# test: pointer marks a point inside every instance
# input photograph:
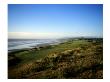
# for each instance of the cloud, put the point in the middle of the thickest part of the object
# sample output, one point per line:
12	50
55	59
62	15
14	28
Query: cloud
46	35
30	35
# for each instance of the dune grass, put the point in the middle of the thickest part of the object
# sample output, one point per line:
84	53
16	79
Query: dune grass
72	59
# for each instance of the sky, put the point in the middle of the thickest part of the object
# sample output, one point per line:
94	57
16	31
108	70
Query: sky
33	21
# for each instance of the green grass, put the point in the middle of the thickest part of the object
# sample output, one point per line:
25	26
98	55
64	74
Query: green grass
28	56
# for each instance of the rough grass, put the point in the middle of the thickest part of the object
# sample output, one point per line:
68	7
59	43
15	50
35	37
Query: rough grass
72	59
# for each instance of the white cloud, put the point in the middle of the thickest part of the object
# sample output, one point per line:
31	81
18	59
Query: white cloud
45	35
29	35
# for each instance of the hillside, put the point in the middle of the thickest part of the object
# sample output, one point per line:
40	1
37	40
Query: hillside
74	59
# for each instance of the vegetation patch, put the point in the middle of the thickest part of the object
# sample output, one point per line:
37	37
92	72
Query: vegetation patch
75	59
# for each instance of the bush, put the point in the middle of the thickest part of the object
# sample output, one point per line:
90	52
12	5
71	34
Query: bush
13	60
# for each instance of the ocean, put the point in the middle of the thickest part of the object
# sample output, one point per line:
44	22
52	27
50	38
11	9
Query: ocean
16	44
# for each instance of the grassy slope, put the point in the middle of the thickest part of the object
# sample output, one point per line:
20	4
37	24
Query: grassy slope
28	56
72	59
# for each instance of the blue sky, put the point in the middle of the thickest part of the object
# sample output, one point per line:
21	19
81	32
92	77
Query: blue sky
55	20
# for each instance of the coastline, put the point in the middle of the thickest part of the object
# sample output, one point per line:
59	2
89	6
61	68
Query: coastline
84	56
25	46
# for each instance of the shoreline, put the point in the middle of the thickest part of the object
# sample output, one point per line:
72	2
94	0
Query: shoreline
34	47
34	44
